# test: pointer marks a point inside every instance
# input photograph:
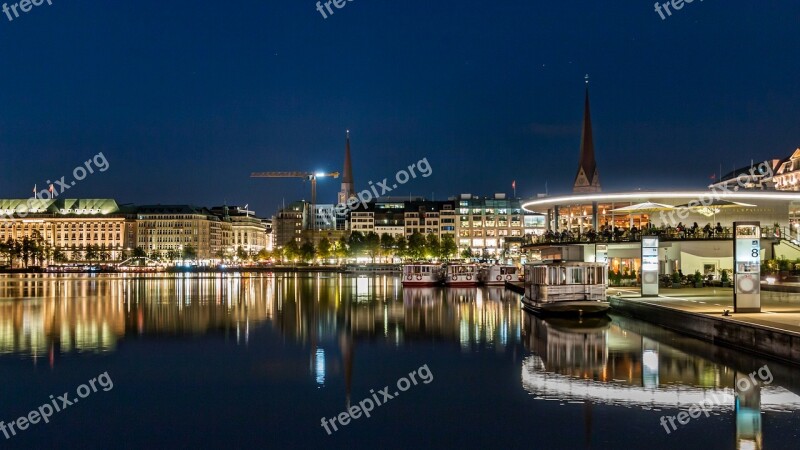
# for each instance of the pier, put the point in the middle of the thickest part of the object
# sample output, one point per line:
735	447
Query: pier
699	313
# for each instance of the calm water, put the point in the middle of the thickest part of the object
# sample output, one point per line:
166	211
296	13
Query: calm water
256	361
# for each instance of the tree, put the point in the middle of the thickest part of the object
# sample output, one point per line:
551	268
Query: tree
6	249
91	252
355	244
448	247
416	246
372	245
401	245
189	252
291	250
307	251
74	253
139	252
59	256
341	251
387	244
263	255
432	246
27	250
324	248
220	255
467	253
103	252
241	253
38	246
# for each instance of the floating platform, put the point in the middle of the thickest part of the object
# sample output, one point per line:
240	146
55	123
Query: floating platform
758	333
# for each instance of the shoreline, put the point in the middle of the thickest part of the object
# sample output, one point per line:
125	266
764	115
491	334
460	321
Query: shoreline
737	331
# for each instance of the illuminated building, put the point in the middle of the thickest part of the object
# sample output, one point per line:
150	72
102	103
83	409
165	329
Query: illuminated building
246	230
787	177
490	226
72	225
174	228
290	222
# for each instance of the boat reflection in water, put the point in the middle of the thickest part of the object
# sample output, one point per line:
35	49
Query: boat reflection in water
472	316
600	361
48	314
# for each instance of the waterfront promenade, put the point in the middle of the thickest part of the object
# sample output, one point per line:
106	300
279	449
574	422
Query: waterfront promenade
774	332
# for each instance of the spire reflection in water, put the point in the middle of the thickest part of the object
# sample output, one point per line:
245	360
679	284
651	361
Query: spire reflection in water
605	361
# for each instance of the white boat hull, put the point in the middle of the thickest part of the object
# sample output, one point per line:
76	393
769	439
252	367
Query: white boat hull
498	275
461	280
462	275
420	280
567	307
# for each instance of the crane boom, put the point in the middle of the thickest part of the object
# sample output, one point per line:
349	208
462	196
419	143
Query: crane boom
311	176
306	175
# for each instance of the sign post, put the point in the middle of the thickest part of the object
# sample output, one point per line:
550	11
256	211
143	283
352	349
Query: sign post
649	266
601	253
746	267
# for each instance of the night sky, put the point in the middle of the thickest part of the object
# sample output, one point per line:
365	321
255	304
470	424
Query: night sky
186	98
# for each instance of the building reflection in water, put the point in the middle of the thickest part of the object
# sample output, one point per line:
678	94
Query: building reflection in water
45	314
592	361
337	312
597	361
50	315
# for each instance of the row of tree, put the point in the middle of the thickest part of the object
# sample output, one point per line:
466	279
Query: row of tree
373	246
34	250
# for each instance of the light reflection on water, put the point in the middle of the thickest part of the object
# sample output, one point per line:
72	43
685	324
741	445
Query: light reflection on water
42	314
618	363
598	361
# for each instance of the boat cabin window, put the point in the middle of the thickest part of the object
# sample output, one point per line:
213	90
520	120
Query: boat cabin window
575	275
561	275
508	270
417	269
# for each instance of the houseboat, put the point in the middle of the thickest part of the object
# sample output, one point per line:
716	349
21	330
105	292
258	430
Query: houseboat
498	274
566	287
421	274
462	275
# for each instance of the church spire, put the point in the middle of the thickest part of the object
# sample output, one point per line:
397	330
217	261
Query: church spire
587	179
347	178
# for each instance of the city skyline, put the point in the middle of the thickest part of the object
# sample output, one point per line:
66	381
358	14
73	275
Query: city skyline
185	117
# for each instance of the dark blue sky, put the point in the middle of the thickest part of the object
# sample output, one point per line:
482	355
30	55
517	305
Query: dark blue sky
186	98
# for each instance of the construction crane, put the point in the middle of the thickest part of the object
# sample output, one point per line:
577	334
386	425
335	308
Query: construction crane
308	176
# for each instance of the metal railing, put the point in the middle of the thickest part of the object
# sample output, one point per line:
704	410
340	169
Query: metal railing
622	236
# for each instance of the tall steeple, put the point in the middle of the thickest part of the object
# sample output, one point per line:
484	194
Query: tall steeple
587	179
348	188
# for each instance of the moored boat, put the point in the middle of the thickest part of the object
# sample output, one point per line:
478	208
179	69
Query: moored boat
421	274
461	275
566	287
498	274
